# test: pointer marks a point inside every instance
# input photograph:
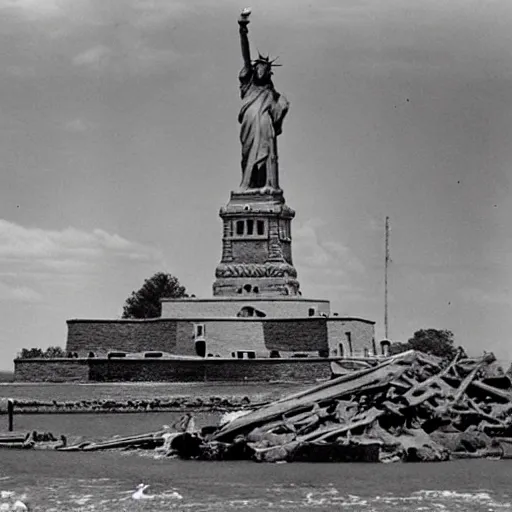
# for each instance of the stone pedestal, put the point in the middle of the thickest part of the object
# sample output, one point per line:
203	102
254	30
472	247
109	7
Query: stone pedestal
256	247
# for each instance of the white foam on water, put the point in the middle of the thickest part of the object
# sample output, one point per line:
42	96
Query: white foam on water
447	494
481	497
331	496
82	500
394	499
170	494
92	480
311	499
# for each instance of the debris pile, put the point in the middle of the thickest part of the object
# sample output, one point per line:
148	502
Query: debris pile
34	439
410	407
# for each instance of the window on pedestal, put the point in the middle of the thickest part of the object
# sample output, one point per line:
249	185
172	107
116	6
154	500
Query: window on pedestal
249	228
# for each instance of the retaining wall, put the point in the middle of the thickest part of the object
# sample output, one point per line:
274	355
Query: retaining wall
51	370
162	370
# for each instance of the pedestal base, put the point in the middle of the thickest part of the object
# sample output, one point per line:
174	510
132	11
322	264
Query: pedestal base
256	247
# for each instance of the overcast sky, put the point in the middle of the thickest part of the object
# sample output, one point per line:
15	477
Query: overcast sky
119	143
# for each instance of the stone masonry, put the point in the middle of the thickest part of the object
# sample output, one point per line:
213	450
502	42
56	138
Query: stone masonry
256	247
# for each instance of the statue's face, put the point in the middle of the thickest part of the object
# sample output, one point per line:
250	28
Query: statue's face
262	71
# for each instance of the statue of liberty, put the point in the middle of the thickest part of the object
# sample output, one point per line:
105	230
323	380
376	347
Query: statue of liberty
261	118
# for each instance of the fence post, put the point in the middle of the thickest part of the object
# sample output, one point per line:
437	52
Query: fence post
10	413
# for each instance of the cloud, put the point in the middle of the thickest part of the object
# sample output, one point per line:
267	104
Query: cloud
14	293
132	55
328	256
325	265
32	251
34	8
20	71
96	57
492	298
142	13
155	13
77	125
49	12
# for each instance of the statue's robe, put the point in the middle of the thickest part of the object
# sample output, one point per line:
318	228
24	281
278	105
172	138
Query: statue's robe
261	117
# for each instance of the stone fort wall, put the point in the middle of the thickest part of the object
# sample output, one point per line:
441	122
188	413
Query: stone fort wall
362	337
104	336
314	336
222	336
281	307
201	370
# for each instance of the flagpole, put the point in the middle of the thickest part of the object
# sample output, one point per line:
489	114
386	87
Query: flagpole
386	266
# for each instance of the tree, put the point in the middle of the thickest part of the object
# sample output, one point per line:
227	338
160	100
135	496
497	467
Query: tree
31	353
37	353
53	352
145	303
398	347
433	341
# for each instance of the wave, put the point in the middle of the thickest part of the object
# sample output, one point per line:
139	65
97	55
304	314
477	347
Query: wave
100	494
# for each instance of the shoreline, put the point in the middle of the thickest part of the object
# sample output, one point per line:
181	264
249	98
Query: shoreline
156	405
122	398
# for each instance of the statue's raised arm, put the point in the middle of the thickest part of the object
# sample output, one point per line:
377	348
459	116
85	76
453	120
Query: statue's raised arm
243	21
261	118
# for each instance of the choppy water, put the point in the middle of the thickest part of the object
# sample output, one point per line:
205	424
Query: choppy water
59	482
53	481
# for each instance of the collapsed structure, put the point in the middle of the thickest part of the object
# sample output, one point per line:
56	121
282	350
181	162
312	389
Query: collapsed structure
411	407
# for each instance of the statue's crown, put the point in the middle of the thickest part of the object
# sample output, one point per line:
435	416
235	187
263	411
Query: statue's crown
266	60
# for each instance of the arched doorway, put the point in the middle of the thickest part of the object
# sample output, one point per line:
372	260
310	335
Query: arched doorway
201	348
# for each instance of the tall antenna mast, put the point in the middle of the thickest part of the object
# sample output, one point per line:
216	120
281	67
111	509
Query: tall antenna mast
386	266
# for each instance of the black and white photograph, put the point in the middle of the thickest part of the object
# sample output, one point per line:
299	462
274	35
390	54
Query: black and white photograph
255	256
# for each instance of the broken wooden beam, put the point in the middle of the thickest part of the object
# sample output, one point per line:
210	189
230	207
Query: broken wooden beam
337	388
502	395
